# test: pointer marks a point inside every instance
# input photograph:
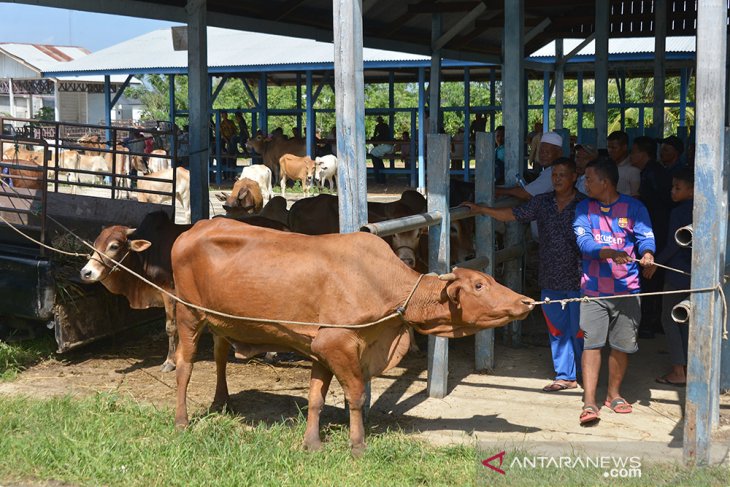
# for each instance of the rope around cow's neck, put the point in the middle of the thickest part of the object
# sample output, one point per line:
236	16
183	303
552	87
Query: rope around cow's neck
399	312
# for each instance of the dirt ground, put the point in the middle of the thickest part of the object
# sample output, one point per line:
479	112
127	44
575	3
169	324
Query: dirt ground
504	406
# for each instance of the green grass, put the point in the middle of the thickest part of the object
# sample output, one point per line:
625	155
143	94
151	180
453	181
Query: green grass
15	357
108	440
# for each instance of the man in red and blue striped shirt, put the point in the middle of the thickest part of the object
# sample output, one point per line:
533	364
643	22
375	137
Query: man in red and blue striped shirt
612	230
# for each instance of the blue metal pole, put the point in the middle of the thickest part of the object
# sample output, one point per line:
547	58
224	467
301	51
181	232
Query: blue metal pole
299	101
108	108
412	155
171	93
391	106
683	83
580	106
263	104
467	121
422	129
493	99
218	146
546	101
310	116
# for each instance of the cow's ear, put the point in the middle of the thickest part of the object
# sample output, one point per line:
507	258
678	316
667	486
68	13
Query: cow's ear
139	245
453	290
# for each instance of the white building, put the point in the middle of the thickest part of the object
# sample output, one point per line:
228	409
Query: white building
23	92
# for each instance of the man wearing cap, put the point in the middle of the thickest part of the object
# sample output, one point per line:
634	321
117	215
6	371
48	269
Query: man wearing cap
583	155
629	177
551	148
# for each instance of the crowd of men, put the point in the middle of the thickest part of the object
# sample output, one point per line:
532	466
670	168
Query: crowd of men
602	220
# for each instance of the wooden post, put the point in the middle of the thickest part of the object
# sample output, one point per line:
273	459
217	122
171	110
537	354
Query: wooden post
660	54
198	106
514	123
559	85
350	114
438	252
484	237
434	85
710	221
466	141
600	107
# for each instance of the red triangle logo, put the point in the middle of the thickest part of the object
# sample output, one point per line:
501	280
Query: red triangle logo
488	462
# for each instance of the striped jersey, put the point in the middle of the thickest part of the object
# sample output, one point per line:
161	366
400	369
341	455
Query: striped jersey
622	225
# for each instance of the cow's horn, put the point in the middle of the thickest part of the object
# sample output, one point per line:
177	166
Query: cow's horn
130	231
447	277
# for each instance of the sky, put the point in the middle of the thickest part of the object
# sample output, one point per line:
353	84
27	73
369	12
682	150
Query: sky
44	25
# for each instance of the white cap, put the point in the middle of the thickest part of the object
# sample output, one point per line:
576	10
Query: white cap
552	138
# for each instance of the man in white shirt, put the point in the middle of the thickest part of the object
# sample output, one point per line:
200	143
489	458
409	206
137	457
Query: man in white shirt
629	177
551	148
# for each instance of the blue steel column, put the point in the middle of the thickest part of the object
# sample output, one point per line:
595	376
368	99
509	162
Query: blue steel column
199	108
218	149
263	104
484	237
422	130
579	78
683	82
412	156
299	101
438	252
108	107
600	106
559	84
514	124
171	94
660	54
493	98
391	103
434	84
710	222
546	101
467	121
310	116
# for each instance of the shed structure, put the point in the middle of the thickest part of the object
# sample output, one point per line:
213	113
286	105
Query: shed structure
499	32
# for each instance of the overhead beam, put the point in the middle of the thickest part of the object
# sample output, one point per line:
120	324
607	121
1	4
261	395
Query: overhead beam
537	30
120	90
460	26
564	59
432	7
287	8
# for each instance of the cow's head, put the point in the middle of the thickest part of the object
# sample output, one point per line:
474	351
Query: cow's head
476	301
112	243
242	198
310	166
461	243
256	143
405	245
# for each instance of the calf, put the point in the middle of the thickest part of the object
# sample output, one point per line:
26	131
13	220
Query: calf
325	171
156	163
262	175
182	188
245	198
296	168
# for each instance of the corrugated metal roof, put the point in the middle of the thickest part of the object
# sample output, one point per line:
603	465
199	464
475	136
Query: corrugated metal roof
226	48
43	57
630	45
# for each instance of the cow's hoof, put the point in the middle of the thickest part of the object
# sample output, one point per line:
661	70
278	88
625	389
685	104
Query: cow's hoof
167	366
357	451
219	405
312	445
181	424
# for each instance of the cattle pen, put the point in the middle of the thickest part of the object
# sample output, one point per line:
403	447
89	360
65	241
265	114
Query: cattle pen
463	30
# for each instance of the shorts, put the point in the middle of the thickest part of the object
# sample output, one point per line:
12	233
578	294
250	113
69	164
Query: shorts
615	320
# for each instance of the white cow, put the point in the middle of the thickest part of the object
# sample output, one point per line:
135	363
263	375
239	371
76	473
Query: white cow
157	164
262	176
182	189
325	171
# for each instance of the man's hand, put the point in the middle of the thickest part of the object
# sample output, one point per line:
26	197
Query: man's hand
647	260
473	207
618	256
648	272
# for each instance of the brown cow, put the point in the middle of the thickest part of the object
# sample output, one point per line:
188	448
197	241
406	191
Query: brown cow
245	198
272	149
296	168
350	290
182	188
26	174
145	250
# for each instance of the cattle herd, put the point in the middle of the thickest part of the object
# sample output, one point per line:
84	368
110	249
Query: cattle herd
264	278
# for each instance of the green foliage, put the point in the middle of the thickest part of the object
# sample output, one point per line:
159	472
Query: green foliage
45	113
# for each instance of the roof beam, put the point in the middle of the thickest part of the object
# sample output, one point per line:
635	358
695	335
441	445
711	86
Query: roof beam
287	8
433	7
577	49
537	30
459	26
367	5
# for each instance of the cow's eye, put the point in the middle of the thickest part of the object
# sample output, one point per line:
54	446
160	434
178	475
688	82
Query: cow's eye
114	246
479	286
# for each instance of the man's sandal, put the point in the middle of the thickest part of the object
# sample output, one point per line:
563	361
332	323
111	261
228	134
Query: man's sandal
619	405
557	386
589	415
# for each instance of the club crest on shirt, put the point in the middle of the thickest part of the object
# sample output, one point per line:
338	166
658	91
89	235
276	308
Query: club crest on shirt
623	222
